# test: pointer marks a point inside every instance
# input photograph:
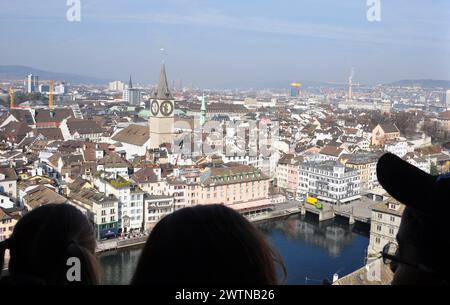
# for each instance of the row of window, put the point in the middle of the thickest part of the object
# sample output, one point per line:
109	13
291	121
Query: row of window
133	211
111	211
379	228
158	211
335	181
112	219
329	188
2	230
133	197
391	218
132	204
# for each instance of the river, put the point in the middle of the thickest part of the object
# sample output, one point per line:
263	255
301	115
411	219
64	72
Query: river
312	250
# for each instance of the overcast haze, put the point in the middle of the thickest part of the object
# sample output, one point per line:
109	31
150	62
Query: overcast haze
227	43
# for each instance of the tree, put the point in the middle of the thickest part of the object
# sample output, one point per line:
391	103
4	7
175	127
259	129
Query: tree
406	122
434	170
20	97
430	128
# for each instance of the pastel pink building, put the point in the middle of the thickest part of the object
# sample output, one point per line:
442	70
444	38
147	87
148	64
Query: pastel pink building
288	173
238	186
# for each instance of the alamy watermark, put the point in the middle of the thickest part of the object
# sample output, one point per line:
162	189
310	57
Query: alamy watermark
374	10
73	273
234	138
73	14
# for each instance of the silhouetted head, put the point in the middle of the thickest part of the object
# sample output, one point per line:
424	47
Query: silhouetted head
423	237
42	242
207	245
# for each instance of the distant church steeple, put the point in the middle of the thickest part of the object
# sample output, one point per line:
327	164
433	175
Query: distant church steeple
130	84
203	111
162	108
162	92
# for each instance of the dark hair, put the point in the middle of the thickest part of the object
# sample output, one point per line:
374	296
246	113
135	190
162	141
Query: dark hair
42	242
207	245
427	236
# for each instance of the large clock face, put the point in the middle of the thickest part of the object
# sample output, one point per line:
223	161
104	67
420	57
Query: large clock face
155	108
166	108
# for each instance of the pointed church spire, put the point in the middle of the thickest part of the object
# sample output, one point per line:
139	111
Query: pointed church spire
130	84
203	107
163	92
203	111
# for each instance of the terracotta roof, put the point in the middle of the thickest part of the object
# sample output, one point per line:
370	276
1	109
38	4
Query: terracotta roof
331	150
23	115
362	276
286	159
70	146
77	184
50	133
3	117
4	215
113	160
225	108
389	127
89	196
83	126
232	174
384	207
10	173
444	115
43	115
72	159
429	150
133	134
43	195
145	175
350	131
15	131
89	154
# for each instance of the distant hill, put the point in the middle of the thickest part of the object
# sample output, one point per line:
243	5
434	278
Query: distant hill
20	72
275	84
424	83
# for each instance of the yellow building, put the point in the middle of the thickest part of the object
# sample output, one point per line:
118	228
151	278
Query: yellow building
7	223
366	164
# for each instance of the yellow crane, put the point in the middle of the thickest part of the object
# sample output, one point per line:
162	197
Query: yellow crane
11	99
51	106
50	99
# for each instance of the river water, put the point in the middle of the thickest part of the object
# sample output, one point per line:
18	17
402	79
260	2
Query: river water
312	250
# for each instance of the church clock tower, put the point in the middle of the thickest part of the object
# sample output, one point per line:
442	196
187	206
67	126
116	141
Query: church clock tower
162	107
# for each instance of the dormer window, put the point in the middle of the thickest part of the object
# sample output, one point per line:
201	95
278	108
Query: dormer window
392	206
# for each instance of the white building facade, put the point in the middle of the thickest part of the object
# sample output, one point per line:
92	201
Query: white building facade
329	181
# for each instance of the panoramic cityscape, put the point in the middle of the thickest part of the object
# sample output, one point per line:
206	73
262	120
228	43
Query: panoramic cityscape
290	145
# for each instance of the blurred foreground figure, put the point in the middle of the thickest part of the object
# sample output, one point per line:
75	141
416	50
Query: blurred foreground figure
421	256
53	244
207	245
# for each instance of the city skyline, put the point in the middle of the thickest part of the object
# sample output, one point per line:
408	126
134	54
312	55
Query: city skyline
222	45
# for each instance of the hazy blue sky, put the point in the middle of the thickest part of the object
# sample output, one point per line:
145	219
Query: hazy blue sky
222	43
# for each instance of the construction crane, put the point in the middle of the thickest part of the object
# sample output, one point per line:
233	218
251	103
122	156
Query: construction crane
50	99
51	105
11	99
